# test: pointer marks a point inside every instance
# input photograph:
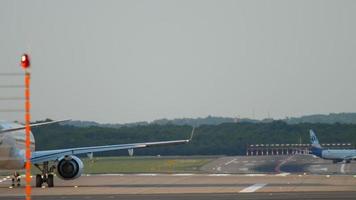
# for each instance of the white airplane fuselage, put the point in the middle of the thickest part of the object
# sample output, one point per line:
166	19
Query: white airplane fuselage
12	147
338	154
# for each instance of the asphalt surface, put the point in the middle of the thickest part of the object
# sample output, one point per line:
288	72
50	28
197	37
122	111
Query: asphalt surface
225	196
265	177
278	164
172	184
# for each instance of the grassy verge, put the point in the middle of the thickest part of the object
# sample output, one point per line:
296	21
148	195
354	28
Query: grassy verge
144	164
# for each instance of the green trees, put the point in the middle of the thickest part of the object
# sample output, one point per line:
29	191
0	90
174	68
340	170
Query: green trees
223	139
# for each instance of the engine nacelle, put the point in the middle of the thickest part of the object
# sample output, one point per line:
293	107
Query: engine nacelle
69	167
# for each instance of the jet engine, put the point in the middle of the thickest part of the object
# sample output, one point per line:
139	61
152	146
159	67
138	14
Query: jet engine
69	167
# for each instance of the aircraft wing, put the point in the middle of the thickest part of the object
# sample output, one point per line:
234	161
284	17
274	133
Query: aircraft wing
52	155
31	125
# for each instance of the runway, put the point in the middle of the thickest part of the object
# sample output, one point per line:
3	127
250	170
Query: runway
278	164
226	196
277	177
192	186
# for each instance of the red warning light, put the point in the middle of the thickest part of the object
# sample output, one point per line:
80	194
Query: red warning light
25	61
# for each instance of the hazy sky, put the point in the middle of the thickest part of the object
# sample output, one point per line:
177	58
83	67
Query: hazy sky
125	61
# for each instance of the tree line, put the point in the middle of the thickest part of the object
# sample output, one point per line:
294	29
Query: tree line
222	139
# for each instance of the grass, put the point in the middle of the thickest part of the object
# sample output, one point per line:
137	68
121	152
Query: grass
137	164
144	164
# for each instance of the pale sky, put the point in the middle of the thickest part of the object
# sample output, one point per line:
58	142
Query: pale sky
127	61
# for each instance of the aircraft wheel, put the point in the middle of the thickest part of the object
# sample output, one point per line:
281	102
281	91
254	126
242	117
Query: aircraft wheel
18	180
348	161
50	180
39	180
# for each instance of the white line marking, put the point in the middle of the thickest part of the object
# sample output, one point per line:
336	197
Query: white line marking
323	169
255	174
278	167
342	168
253	188
183	174
146	174
283	174
219	175
231	161
103	175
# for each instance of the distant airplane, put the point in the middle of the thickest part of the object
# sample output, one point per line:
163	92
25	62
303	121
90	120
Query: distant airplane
63	162
336	155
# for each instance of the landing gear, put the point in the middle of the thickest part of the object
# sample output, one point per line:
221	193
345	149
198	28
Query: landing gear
46	179
50	180
337	161
46	176
39	180
348	161
16	181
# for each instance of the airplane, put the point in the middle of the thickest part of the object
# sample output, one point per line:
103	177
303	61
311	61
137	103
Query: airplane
336	155
62	162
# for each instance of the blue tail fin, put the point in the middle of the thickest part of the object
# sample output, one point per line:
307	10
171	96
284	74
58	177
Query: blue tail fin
316	149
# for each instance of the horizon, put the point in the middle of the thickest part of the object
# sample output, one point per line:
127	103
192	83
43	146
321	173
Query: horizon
202	117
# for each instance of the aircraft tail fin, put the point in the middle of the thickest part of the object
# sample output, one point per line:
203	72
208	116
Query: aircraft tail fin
314	140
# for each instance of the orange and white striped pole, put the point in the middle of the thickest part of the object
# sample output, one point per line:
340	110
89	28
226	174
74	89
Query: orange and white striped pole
25	63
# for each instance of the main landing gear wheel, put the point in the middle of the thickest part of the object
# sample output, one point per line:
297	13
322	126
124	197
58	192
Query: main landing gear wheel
39	180
16	180
50	180
45	179
46	176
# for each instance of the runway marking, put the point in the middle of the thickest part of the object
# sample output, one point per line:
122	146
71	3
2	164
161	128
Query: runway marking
243	169
283	174
282	162
342	168
253	188
146	174
255	174
219	175
183	174
231	161
103	174
322	169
